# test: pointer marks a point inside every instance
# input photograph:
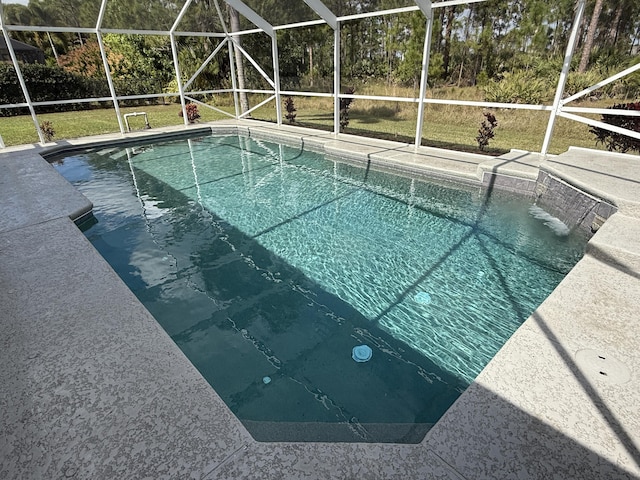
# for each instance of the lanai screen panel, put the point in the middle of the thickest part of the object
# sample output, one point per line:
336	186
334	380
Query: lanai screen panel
68	13
141	14
343	8
277	12
203	17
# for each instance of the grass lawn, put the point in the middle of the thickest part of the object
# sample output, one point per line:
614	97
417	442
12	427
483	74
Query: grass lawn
446	126
20	130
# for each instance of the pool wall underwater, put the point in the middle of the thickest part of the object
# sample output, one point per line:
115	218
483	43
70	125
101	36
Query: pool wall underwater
263	259
95	389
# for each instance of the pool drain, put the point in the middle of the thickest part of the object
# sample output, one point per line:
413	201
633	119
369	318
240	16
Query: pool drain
361	353
601	366
423	298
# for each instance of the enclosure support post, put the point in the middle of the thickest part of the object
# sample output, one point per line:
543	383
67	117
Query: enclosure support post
176	63
566	65
336	79
176	66
23	85
276	77
234	83
105	62
426	52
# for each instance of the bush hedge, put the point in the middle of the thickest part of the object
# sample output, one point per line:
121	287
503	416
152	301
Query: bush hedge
617	142
48	83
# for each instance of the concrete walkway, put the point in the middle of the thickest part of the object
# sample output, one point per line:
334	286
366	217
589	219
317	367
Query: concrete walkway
93	388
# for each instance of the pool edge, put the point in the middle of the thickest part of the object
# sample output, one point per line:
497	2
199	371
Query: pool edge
463	444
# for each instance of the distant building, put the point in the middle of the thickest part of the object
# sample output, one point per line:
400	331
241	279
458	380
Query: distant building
24	52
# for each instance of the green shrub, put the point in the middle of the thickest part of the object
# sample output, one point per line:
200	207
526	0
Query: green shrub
482	79
136	86
617	142
519	87
49	82
631	85
576	82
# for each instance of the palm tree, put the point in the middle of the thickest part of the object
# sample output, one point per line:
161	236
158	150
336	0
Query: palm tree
234	21
42	14
591	34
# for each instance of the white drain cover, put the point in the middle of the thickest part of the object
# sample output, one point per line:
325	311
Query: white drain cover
602	366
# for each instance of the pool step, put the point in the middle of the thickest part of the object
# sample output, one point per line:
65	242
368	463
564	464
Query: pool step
337	432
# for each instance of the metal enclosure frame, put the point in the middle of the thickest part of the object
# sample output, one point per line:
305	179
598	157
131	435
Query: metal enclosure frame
559	108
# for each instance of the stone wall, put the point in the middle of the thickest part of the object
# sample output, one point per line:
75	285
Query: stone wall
570	204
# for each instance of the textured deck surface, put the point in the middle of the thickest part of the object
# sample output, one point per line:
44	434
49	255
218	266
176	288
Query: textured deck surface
92	387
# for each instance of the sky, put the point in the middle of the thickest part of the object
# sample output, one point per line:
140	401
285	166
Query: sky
22	2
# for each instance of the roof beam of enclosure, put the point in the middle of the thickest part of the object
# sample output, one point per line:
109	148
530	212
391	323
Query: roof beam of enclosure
309	23
425	7
105	63
566	65
323	12
379	13
421	5
176	63
124	31
451	3
23	85
252	16
29	28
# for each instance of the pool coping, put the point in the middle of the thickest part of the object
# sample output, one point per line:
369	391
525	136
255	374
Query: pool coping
132	406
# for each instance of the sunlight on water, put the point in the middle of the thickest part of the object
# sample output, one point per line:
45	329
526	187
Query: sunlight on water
274	263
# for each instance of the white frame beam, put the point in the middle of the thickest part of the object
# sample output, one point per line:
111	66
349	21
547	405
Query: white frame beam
424	74
107	68
323	12
330	18
276	77
176	61
566	65
252	16
559	108
336	80
206	62
16	66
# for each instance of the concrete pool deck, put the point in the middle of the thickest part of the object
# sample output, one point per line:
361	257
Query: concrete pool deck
93	388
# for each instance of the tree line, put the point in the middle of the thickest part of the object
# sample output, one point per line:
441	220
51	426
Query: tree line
473	44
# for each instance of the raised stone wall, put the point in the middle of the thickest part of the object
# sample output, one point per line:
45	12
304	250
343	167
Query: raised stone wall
571	205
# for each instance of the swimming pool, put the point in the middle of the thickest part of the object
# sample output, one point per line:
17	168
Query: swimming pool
267	265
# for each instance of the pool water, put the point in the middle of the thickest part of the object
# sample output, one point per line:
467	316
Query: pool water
267	265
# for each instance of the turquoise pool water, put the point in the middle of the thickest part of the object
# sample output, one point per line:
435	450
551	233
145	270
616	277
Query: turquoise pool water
267	265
